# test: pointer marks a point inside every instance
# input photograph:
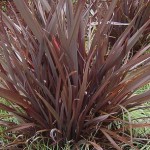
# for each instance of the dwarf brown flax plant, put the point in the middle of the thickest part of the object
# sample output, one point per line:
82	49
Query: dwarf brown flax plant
65	71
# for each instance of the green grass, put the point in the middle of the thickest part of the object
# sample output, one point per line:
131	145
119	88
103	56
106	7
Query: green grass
140	114
5	116
143	89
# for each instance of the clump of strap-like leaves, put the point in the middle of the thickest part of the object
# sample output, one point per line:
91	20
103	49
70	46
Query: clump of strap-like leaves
66	71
